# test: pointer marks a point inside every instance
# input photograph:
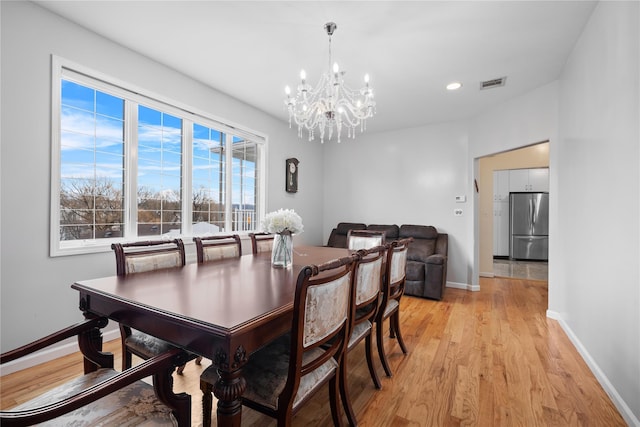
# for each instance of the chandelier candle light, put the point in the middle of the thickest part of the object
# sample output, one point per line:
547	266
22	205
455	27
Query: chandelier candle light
331	103
283	223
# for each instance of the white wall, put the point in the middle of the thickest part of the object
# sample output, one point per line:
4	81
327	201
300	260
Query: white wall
409	176
36	297
528	119
596	287
406	176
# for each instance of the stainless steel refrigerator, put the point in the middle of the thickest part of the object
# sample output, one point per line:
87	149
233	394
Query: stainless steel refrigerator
529	226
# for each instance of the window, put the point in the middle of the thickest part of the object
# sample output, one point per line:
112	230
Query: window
128	166
159	178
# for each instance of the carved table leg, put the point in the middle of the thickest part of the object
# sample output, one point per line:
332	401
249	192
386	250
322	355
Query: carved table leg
228	389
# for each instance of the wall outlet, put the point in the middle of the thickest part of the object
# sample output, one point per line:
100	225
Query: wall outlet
457	212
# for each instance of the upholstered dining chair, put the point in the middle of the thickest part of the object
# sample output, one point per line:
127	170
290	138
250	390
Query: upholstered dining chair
392	291
364	239
284	374
215	248
368	277
139	257
102	396
261	242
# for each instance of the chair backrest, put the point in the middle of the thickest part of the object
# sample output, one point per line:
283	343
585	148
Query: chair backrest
338	237
139	257
364	239
396	272
368	277
215	248
261	242
321	314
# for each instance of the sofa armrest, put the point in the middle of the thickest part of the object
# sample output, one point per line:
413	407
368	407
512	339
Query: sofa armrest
436	259
442	244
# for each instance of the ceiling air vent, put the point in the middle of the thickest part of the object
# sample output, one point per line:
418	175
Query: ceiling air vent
489	84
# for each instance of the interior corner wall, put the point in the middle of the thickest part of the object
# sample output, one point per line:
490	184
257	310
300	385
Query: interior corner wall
36	297
596	287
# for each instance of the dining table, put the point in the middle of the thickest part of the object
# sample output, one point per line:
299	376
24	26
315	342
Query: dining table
223	310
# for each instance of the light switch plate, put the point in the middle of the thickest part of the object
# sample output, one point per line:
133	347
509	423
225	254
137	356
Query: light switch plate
461	199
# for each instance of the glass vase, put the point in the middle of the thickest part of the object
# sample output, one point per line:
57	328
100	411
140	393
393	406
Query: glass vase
282	252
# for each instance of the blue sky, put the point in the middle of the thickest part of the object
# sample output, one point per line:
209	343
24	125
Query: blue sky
92	146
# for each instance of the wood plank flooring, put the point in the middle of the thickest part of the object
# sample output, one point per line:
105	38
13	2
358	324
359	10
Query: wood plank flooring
488	358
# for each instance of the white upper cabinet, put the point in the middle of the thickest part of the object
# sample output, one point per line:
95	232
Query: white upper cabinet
501	186
539	179
530	180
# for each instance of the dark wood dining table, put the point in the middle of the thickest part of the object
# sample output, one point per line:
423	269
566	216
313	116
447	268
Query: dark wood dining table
222	310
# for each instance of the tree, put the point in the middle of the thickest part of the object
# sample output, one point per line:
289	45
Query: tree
90	208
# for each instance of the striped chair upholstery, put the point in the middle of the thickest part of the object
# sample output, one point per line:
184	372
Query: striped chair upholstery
216	248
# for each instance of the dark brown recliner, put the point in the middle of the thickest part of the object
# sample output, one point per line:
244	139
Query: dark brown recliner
391	232
338	236
426	261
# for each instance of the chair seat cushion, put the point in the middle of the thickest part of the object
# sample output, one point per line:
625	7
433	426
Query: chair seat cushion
135	404
391	307
146	345
266	373
360	330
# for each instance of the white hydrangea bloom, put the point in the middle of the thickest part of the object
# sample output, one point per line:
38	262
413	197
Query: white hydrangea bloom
283	221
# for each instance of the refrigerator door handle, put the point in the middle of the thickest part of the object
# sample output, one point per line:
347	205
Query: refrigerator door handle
533	215
531	220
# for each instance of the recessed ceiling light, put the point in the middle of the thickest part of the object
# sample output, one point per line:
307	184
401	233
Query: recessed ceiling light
454	86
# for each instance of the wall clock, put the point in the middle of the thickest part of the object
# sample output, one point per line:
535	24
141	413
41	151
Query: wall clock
292	175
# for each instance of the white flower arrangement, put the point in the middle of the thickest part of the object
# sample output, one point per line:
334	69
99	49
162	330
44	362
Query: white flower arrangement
283	221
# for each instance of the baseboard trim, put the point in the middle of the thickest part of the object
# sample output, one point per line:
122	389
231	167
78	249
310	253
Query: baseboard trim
487	274
60	349
617	400
464	286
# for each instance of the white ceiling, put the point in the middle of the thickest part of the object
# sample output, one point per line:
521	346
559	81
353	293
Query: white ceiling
411	49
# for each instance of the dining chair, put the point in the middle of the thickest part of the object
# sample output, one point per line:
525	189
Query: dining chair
364	239
261	242
283	375
215	248
392	291
101	395
368	277
139	257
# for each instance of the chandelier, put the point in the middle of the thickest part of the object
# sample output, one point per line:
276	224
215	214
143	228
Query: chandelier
331	104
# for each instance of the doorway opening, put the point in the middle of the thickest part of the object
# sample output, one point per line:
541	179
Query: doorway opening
500	175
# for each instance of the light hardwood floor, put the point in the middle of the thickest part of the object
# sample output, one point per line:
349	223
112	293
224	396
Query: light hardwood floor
487	358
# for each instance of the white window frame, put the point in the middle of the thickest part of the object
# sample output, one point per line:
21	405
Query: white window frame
65	69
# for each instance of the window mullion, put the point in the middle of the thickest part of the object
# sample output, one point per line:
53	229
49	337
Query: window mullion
228	208
131	169
187	175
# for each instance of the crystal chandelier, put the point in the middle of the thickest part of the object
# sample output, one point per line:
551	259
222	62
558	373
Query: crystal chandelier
331	103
